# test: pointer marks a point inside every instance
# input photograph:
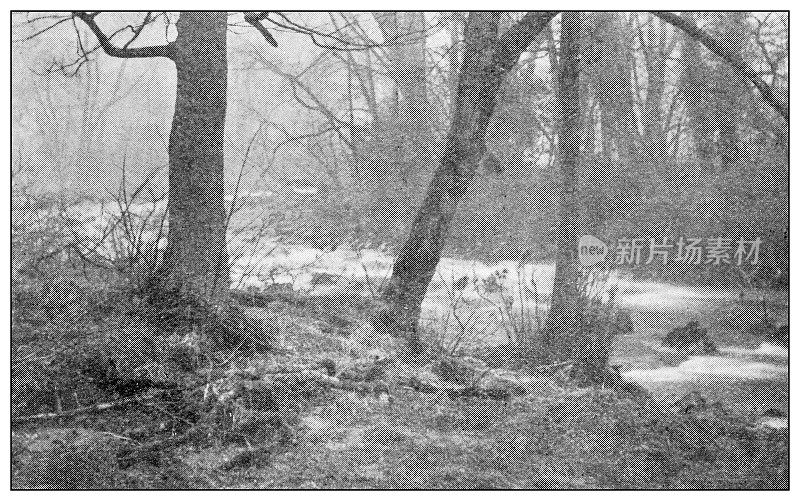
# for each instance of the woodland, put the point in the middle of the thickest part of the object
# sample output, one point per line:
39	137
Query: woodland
348	250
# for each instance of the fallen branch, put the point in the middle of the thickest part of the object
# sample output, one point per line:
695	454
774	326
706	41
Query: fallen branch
457	392
552	366
104	406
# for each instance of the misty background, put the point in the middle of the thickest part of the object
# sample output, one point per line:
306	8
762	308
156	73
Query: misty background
676	143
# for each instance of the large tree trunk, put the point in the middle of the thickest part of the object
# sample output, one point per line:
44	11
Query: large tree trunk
196	258
562	330
486	60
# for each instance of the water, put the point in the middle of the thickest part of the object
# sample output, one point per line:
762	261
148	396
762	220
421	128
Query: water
657	306
710	367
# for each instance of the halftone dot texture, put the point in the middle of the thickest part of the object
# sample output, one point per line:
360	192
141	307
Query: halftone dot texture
717	402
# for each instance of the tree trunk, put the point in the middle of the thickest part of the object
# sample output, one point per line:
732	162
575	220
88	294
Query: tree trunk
196	258
655	141
405	34
731	91
695	83
563	325
486	60
613	86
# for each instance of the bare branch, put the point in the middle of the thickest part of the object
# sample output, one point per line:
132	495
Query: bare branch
112	50
517	38
254	19
336	123
343	43
728	56
43	30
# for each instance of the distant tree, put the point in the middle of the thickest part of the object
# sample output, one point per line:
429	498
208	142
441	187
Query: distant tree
562	328
715	93
195	265
695	81
657	45
729	54
608	66
405	48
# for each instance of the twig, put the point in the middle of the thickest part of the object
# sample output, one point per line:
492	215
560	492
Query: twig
121	437
550	366
86	410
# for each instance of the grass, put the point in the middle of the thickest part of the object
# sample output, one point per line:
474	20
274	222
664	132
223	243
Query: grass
557	437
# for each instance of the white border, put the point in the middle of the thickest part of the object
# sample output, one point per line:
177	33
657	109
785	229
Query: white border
361	6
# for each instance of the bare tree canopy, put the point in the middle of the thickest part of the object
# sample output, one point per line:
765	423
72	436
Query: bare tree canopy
730	57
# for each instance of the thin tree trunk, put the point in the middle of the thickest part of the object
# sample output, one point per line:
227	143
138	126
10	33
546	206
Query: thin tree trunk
731	92
455	23
695	83
196	258
486	60
614	88
563	326
656	64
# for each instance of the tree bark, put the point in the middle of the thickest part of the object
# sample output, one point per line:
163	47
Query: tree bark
196	258
563	325
195	264
732	89
613	86
486	60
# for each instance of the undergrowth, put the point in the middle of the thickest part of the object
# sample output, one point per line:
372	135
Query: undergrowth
306	395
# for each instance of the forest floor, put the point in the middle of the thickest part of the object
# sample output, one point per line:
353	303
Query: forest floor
327	402
410	424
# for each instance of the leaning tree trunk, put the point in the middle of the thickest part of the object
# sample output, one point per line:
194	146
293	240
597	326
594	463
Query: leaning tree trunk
196	258
562	331
486	60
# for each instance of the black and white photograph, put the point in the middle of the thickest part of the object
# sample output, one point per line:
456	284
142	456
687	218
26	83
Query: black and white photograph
398	249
